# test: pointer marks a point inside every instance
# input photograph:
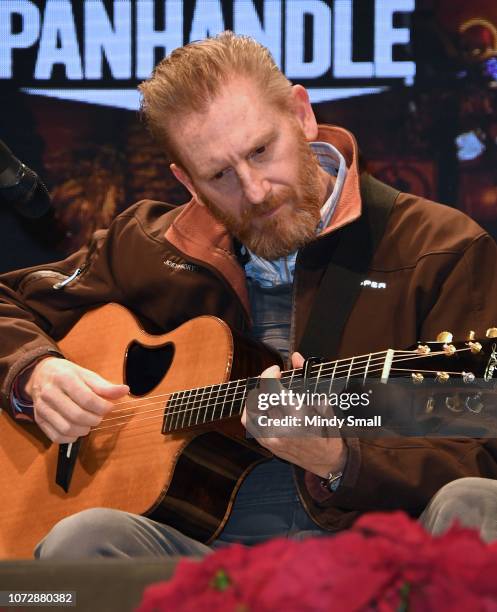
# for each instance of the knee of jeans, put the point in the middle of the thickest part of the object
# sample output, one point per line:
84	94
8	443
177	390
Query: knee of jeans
82	534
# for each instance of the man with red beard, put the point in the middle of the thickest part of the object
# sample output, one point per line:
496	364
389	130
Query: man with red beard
271	191
271	202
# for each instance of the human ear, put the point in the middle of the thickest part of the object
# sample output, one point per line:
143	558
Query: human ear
302	110
184	178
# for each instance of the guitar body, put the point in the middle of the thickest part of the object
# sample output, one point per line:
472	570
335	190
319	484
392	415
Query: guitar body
187	479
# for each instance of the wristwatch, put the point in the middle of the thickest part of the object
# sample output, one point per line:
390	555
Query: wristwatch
331	481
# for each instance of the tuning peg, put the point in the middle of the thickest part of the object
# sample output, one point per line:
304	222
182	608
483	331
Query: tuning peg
417	378
471	335
449	349
491	332
468	377
445	336
430	405
473	404
475	347
442	377
423	349
453	403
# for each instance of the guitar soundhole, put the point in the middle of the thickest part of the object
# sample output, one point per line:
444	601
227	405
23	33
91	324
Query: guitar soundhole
147	366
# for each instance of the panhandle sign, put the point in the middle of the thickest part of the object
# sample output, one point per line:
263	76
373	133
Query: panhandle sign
99	50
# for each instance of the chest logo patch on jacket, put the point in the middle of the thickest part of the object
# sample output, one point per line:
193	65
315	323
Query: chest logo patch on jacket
373	284
180	266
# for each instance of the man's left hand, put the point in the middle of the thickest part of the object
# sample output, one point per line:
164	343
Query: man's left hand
319	455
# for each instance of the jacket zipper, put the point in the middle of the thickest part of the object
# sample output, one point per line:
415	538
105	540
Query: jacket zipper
69	279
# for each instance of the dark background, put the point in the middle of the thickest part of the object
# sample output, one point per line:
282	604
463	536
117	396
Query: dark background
97	160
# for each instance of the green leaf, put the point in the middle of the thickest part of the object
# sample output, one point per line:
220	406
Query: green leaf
405	591
221	580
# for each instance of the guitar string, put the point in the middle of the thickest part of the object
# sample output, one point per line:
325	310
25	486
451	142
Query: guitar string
162	415
172	431
288	374
321	372
425	371
236	397
284	378
226	396
283	374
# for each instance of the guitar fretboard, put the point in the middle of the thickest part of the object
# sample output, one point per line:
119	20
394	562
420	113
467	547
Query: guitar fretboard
203	405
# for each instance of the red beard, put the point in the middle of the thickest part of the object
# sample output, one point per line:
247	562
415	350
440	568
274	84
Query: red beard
289	228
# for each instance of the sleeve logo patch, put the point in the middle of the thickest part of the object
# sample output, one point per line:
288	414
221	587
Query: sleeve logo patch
373	284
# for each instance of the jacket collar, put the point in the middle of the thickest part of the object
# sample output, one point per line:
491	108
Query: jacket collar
349	205
197	234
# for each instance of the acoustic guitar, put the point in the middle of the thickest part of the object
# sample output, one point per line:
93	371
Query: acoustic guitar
173	450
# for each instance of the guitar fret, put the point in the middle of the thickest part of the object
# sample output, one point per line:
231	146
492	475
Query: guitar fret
234	398
182	412
317	377
203	404
172	410
244	395
366	369
215	404
198	408
221	409
332	377
190	410
166	425
218	408
291	380
205	407
348	373
179	409
222	400
200	403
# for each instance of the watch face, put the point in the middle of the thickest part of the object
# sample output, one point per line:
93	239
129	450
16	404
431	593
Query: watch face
331	483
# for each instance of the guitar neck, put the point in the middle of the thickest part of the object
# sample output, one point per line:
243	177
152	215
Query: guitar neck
203	405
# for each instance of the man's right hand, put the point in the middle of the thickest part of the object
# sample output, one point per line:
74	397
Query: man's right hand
68	400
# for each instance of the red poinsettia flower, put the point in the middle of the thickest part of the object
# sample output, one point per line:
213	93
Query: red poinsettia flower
386	562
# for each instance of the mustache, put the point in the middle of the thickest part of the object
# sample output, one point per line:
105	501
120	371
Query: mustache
266	206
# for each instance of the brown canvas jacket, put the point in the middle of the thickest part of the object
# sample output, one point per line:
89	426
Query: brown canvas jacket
170	265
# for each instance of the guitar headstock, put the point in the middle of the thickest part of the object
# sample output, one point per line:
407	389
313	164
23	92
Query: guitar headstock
444	359
454	379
